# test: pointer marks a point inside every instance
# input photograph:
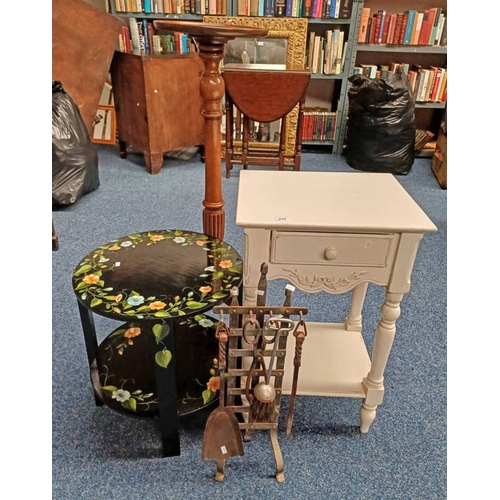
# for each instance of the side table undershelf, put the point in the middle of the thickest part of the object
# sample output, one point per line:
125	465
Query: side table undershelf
159	284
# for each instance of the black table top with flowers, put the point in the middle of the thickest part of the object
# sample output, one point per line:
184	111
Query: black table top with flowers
160	283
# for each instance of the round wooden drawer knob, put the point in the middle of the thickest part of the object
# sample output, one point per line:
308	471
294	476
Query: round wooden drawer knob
330	253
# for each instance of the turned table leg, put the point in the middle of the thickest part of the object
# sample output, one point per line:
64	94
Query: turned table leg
212	91
384	337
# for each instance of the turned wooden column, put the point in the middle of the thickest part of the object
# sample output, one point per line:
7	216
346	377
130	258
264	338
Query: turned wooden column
211	39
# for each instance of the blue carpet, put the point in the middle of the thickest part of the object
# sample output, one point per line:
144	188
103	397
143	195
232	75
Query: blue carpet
99	454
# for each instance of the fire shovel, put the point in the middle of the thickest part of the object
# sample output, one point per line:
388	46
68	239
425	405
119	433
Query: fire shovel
222	437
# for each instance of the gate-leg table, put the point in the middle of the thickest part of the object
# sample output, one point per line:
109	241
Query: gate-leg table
334	232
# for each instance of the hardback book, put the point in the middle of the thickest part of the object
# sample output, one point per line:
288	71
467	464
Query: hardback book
380	29
437	13
409	26
439	29
310	49
254	8
327	66
373	29
242	7
386	27
422	90
345	9
430	84
127	44
444	87
397	29
363	26
376	27
306	9
187	6
142	40
280	8
369	30
417	27
326	9
337	9
134	35
404	23
340	48
427	25
392	29
331	12
443	41
335	45
412	78
369	70
150	29
384	72
438	82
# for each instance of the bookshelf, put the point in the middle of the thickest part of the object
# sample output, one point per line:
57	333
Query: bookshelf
417	51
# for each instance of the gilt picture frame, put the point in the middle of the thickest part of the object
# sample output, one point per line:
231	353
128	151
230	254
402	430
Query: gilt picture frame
294	30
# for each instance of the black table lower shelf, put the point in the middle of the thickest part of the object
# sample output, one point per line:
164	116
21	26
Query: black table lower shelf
126	367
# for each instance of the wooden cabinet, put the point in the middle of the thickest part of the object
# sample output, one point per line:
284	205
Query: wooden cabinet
158	104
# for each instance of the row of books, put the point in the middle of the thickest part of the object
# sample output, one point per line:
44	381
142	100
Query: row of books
428	84
411	27
329	9
318	125
326	54
139	38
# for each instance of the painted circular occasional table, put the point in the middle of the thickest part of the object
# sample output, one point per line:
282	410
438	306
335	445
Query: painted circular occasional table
160	360
211	40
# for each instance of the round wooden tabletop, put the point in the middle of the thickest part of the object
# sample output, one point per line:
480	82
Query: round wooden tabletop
209	30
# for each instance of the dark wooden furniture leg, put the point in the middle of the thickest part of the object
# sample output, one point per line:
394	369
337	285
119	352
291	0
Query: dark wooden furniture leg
167	397
89	334
154	162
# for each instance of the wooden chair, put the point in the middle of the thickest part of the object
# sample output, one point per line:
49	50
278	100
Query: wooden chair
263	96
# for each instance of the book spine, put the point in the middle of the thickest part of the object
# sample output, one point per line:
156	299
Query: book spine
380	29
365	15
409	27
345	10
280	8
404	23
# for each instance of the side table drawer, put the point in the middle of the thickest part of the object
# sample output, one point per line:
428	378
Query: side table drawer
331	249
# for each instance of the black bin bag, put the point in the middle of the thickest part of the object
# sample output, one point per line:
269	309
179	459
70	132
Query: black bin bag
381	124
74	156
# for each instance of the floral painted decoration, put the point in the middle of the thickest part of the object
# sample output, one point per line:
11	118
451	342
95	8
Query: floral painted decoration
89	278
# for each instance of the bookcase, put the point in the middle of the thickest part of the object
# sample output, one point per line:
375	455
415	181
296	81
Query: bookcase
327	92
417	53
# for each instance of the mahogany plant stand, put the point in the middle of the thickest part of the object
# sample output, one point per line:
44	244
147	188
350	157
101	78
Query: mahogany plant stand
211	39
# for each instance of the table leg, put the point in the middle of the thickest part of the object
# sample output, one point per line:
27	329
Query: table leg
166	390
90	337
353	321
212	91
384	337
256	251
154	162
